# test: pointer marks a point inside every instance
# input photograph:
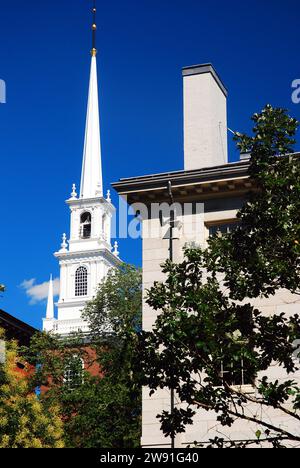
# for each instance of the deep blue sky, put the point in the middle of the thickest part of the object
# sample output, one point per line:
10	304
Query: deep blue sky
44	59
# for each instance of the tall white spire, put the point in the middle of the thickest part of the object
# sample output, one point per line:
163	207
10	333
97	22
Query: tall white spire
86	258
50	303
91	177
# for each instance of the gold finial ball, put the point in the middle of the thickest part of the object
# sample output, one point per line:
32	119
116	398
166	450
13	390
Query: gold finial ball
93	52
94	27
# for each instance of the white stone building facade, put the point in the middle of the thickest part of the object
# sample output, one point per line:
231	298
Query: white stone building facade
220	187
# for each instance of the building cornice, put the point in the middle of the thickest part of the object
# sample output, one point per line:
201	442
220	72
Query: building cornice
187	185
75	303
228	180
90	202
87	255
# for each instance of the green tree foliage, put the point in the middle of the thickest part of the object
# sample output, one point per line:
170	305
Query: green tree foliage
208	339
114	317
263	254
102	410
26	421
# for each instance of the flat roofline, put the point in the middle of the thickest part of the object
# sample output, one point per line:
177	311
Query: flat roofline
239	165
150	186
193	172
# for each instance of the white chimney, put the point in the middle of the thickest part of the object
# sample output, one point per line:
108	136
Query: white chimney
205	118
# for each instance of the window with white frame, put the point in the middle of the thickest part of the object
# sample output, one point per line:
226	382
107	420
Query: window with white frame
239	372
222	228
236	373
74	372
81	282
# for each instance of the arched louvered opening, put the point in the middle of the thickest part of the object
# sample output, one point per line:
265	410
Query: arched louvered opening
85	225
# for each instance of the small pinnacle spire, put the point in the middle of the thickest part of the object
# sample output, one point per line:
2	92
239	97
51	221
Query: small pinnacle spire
94	29
74	193
116	249
108	197
50	303
64	245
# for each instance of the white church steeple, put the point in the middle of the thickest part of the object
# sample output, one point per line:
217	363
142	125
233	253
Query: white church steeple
88	255
91	176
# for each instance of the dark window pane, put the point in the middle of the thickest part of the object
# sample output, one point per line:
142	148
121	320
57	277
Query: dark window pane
224	228
85	225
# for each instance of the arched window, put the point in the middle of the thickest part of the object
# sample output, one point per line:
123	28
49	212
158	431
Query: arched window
81	282
85	225
74	372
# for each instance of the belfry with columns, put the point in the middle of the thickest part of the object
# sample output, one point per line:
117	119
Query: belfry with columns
87	256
